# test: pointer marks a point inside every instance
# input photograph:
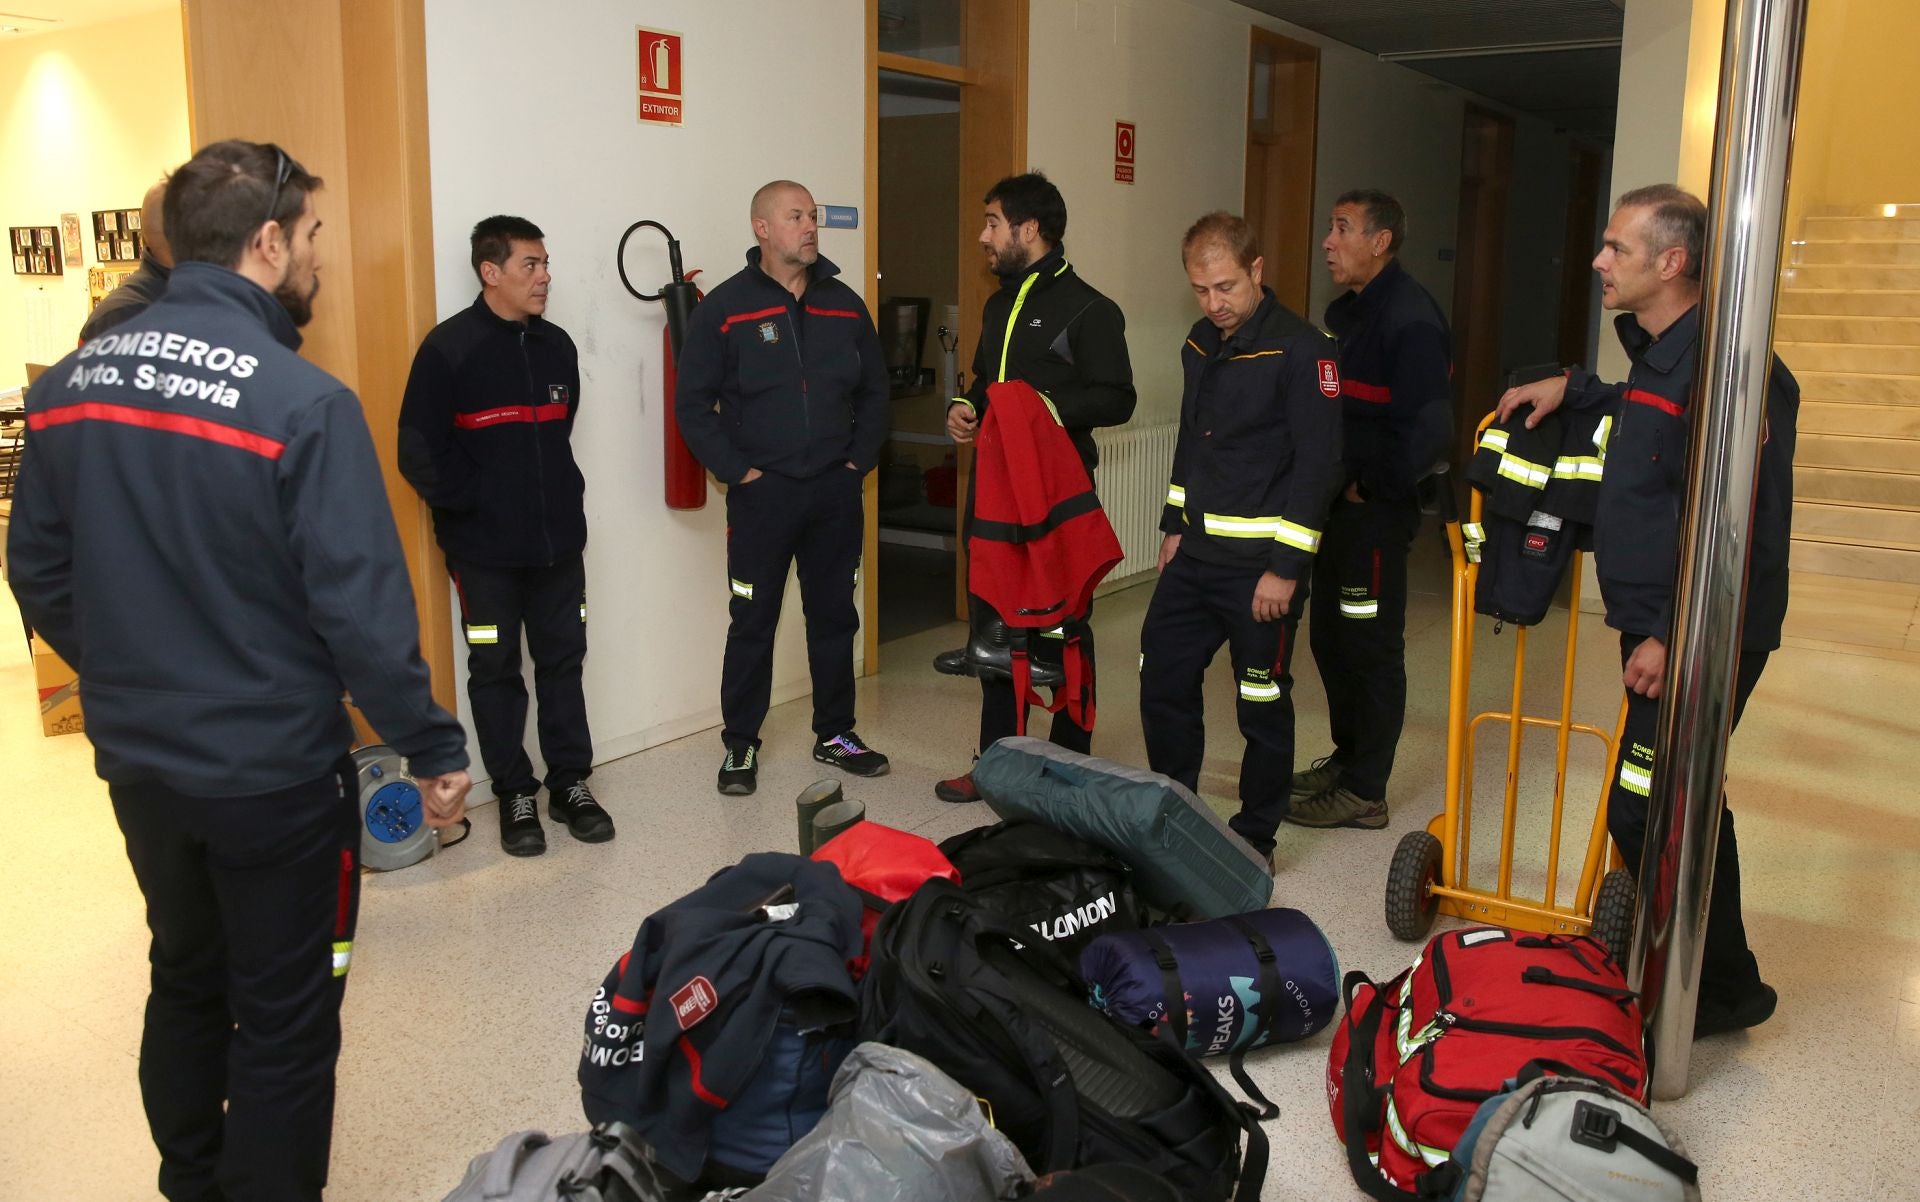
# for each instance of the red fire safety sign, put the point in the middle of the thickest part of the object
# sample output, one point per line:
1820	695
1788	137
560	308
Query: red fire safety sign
1123	151
660	81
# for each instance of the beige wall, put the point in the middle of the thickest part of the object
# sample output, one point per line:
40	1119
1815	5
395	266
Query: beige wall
1856	140
88	120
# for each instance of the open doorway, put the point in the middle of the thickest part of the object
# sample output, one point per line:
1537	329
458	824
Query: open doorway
1486	181
918	314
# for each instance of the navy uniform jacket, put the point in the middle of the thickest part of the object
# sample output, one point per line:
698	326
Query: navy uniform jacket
1396	381
1053	330
486	430
1643	488
1258	460
200	528
788	386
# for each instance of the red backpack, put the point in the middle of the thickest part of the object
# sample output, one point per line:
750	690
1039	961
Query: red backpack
1413	1059
882	865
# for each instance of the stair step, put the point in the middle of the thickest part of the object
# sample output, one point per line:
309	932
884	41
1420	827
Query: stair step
1885	252
1898	331
1850	302
1862	454
1865	210
1868	421
1863	525
1859	388
1868	563
1870	229
1871	358
1831	275
1856	487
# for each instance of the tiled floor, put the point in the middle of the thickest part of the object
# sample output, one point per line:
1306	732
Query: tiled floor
472	972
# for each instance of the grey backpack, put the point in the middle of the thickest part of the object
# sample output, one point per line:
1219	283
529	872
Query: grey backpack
606	1164
1569	1138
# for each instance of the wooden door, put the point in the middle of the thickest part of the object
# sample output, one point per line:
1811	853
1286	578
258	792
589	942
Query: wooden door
1283	90
1486	179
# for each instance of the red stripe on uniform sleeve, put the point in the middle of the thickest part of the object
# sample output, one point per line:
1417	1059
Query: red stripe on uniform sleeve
149	419
833	312
1641	396
757	313
627	1005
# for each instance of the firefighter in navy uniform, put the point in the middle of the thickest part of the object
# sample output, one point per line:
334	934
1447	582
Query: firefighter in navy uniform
201	529
1649	267
1395	369
1255	468
782	395
1052	329
486	429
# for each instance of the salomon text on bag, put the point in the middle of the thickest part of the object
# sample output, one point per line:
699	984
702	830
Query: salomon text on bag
1063	889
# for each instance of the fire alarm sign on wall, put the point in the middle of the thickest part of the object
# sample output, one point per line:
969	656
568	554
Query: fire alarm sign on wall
660	81
1123	151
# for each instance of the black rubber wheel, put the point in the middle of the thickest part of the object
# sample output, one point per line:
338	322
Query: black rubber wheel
1613	912
1416	866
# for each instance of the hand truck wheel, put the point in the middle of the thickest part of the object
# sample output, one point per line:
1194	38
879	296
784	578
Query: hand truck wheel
1613	912
1411	905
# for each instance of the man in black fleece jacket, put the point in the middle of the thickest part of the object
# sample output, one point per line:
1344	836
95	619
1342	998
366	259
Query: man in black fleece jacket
782	394
1052	329
486	432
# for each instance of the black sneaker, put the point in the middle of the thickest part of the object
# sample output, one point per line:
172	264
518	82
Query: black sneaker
1717	1018
847	753
520	833
585	820
740	771
1324	775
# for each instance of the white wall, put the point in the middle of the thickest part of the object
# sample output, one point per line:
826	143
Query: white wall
1177	69
539	119
88	120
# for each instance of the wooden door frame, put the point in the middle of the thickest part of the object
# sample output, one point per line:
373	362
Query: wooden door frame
993	145
1295	290
1479	280
358	119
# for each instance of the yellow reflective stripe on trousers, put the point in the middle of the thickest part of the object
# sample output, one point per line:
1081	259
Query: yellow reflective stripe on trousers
1006	340
1493	440
1227	526
1360	609
583	611
1265	690
1524	470
1577	467
483	634
342	957
1176	496
742	589
1428	1154
1472	535
1636	780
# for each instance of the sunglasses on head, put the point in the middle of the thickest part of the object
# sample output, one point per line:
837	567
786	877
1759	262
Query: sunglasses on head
283	169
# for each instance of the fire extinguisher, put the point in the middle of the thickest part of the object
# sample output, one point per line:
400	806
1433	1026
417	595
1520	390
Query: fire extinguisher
686	480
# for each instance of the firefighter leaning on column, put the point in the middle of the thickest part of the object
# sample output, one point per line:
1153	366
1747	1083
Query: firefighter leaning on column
486	431
1649	268
1395	356
1047	326
1254	471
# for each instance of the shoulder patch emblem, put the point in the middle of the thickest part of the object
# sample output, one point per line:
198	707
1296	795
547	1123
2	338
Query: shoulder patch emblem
1329	378
769	333
693	1002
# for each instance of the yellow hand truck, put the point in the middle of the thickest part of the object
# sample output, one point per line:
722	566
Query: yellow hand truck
1429	874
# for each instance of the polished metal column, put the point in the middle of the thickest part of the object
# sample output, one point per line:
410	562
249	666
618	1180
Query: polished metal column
1759	82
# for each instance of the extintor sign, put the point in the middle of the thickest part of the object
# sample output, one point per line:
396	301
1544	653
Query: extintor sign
660	80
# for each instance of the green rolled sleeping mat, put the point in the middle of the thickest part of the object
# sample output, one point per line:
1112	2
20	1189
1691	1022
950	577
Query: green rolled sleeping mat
1186	863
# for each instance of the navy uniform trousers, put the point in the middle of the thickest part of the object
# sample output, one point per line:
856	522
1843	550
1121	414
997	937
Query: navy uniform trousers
776	524
252	902
1728	971
1358	634
1196	607
551	604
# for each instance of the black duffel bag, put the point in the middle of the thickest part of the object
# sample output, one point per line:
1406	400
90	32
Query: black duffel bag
955	982
1061	887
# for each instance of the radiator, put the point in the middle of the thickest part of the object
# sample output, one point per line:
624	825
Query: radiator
1135	462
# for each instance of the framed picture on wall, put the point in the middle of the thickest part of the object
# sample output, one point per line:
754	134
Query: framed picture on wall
133	219
20	264
70	238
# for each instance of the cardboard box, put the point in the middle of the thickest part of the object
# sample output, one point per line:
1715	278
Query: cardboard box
59	688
